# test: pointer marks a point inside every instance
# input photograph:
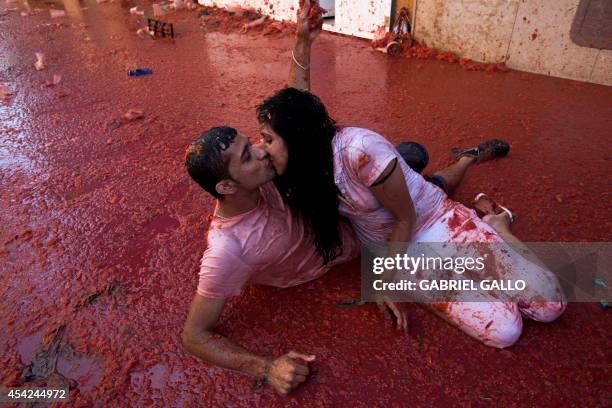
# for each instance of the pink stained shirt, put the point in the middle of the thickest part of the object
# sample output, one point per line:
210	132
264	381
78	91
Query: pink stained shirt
266	246
360	157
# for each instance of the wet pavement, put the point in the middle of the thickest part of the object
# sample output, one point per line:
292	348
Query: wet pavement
102	231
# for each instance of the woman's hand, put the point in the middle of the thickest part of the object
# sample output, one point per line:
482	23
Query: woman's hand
309	23
399	317
309	20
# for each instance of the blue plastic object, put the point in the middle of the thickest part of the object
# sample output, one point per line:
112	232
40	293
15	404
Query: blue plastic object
599	282
140	72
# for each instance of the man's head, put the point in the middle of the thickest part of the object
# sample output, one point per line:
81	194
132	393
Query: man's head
223	162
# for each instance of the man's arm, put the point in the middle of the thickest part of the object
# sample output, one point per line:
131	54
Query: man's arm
284	373
299	73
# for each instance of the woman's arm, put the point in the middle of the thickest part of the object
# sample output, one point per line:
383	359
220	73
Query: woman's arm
299	73
391	191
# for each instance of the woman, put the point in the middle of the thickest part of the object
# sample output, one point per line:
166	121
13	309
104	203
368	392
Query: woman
325	172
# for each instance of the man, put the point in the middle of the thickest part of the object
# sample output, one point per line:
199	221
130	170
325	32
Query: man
252	238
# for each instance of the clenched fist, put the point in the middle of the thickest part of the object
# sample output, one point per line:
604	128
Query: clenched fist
288	371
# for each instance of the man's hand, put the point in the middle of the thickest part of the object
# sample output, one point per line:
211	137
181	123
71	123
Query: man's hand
308	27
286	373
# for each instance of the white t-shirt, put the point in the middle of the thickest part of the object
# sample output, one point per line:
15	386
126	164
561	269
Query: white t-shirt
360	157
267	245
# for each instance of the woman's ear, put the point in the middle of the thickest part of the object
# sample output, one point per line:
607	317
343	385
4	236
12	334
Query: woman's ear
226	187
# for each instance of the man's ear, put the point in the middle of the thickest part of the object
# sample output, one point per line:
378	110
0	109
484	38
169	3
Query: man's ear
226	187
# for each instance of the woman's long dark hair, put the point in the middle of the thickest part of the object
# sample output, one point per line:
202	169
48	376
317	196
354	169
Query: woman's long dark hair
307	185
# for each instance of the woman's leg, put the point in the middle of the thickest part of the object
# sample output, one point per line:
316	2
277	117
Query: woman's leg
540	310
496	324
493	322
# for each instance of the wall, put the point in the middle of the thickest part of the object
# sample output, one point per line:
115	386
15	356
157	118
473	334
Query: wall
529	35
359	18
277	9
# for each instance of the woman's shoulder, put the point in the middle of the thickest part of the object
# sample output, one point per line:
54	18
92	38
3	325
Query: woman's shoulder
354	139
351	132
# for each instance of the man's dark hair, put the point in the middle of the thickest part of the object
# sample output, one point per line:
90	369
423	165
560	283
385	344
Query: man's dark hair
204	158
307	185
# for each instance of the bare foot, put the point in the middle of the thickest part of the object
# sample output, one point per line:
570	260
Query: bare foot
497	216
484	205
499	222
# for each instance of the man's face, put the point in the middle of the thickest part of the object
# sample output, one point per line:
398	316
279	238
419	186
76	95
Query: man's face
248	165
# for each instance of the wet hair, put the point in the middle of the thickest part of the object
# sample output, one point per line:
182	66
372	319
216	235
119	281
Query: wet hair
204	158
307	185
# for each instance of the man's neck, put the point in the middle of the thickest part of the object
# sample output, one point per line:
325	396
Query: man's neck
236	204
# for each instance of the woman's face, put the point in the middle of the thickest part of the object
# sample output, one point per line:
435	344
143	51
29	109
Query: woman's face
275	147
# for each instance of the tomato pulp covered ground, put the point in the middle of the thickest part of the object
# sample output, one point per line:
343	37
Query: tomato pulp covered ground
102	229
